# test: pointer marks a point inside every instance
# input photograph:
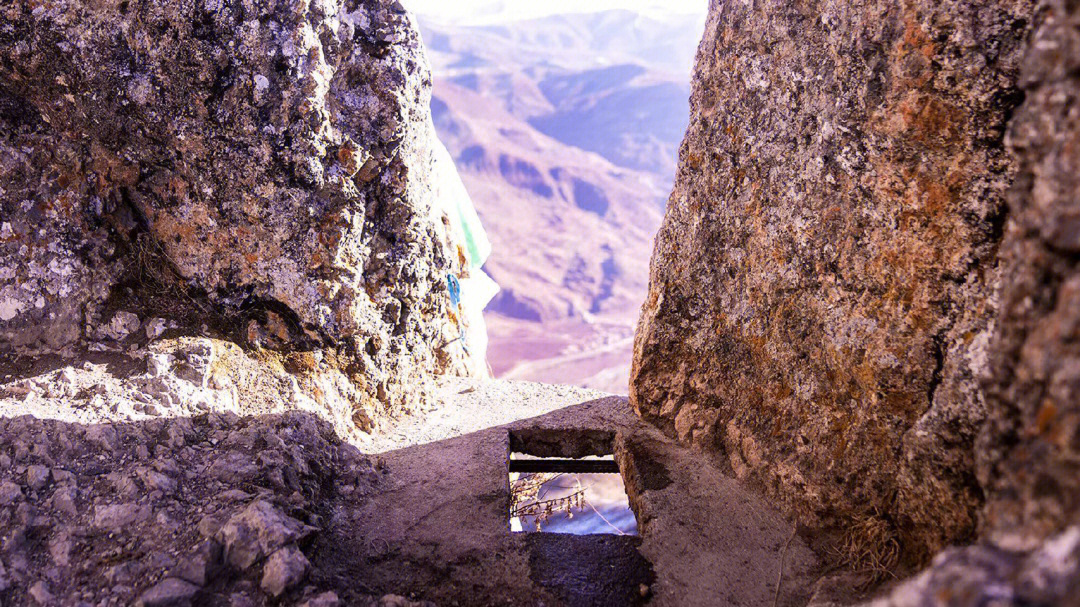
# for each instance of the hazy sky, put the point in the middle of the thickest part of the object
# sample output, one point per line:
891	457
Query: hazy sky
487	10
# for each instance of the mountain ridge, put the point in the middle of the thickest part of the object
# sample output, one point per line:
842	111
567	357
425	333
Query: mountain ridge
565	130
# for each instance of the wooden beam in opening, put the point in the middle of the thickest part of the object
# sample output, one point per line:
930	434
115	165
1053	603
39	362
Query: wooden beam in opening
572	466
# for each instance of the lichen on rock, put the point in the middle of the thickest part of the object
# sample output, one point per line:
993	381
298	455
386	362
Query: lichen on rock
58	252
272	155
1030	448
822	289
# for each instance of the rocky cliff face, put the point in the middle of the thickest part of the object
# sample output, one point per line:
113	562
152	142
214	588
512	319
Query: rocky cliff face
822	290
268	165
1028	452
864	292
222	252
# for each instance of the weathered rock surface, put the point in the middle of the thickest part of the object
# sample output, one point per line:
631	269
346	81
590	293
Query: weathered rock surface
58	254
274	158
988	575
221	254
822	290
1029	453
141	512
1029	448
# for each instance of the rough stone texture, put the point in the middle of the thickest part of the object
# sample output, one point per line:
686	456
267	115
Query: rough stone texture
269	154
822	288
58	261
188	376
135	511
1030	451
284	569
987	575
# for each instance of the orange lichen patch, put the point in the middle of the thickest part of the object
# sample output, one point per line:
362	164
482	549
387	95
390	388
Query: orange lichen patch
1048	413
779	255
330	236
349	158
277	326
463	258
68	178
300	363
111	169
318	259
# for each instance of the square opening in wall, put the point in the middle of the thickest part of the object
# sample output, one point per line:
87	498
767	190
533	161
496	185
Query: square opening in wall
567	482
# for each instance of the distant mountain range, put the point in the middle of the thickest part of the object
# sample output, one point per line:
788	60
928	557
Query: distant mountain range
565	130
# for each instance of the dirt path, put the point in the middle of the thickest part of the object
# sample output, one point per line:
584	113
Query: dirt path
439	522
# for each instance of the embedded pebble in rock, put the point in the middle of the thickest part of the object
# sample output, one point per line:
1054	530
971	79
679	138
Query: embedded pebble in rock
284	569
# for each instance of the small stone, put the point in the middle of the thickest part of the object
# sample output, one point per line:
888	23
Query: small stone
64	501
63	477
203	564
257	531
122	324
233	495
395	600
9	493
170	592
117	516
104	436
155	328
326	599
60	550
209	526
284	569
37	476
156	481
40	593
241	599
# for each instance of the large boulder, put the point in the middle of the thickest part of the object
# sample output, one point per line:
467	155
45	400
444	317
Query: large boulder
1029	452
273	154
822	293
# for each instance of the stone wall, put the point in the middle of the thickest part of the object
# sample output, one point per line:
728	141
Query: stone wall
824	287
